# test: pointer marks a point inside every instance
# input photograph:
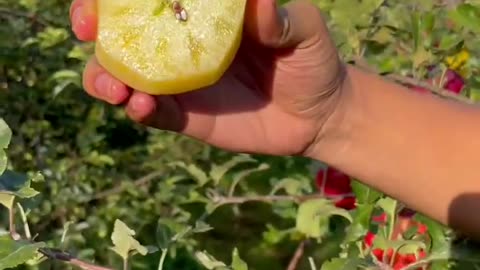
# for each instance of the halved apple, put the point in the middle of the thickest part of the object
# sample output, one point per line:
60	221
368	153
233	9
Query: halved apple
165	47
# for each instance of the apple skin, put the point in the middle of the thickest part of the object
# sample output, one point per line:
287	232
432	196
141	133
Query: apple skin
336	184
454	82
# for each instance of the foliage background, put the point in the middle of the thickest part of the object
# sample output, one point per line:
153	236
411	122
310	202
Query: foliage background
99	167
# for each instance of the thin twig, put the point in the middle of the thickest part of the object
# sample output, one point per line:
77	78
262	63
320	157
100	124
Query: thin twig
11	223
26	227
362	63
220	200
68	258
120	188
297	256
312	263
431	88
29	16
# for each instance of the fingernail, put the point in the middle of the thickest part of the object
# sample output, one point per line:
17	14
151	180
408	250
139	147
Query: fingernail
78	21
103	85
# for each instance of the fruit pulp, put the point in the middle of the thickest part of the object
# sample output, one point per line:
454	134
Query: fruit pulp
168	47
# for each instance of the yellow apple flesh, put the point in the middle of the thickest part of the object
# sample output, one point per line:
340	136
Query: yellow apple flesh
156	49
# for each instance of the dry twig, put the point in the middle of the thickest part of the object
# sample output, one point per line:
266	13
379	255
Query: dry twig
68	258
297	256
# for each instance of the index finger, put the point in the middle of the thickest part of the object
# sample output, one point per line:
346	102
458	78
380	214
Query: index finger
83	16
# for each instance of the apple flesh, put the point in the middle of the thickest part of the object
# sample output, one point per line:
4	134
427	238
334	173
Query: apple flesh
165	47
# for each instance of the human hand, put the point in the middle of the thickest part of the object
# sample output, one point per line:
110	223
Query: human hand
281	88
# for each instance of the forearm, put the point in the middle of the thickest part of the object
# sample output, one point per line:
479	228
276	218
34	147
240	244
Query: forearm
420	149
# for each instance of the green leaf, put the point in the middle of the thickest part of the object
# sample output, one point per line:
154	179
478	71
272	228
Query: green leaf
199	175
436	231
409	246
164	235
416	22
467	15
51	36
240	176
401	246
364	193
314	215
460	253
218	171
3	161
361	222
201	227
78	53
123	241
208	261
65	74
99	160
7	200
5	134
170	231
342	264
15	184
274	235
64	78
389	206
290	185
29	4
14	253
237	262
37	177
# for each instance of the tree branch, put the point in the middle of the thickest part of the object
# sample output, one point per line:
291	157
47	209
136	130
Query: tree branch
11	223
436	90
297	256
362	63
68	258
220	200
120	188
19	14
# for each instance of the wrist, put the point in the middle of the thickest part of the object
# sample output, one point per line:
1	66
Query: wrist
334	135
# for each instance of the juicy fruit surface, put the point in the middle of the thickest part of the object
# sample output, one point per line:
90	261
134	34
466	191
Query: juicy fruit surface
142	42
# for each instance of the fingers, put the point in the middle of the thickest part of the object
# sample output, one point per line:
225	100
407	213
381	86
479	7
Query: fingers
101	85
83	16
295	24
162	112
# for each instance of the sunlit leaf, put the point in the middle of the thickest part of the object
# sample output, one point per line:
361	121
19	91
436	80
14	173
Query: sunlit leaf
14	253
389	206
3	161
237	262
5	134
199	175
342	264
313	216
218	171
208	261
123	241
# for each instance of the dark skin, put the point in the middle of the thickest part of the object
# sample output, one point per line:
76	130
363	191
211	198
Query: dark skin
292	95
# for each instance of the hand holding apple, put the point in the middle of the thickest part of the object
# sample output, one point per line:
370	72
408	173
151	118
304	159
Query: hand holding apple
283	83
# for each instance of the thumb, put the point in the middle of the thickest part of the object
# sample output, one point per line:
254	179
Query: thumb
298	23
